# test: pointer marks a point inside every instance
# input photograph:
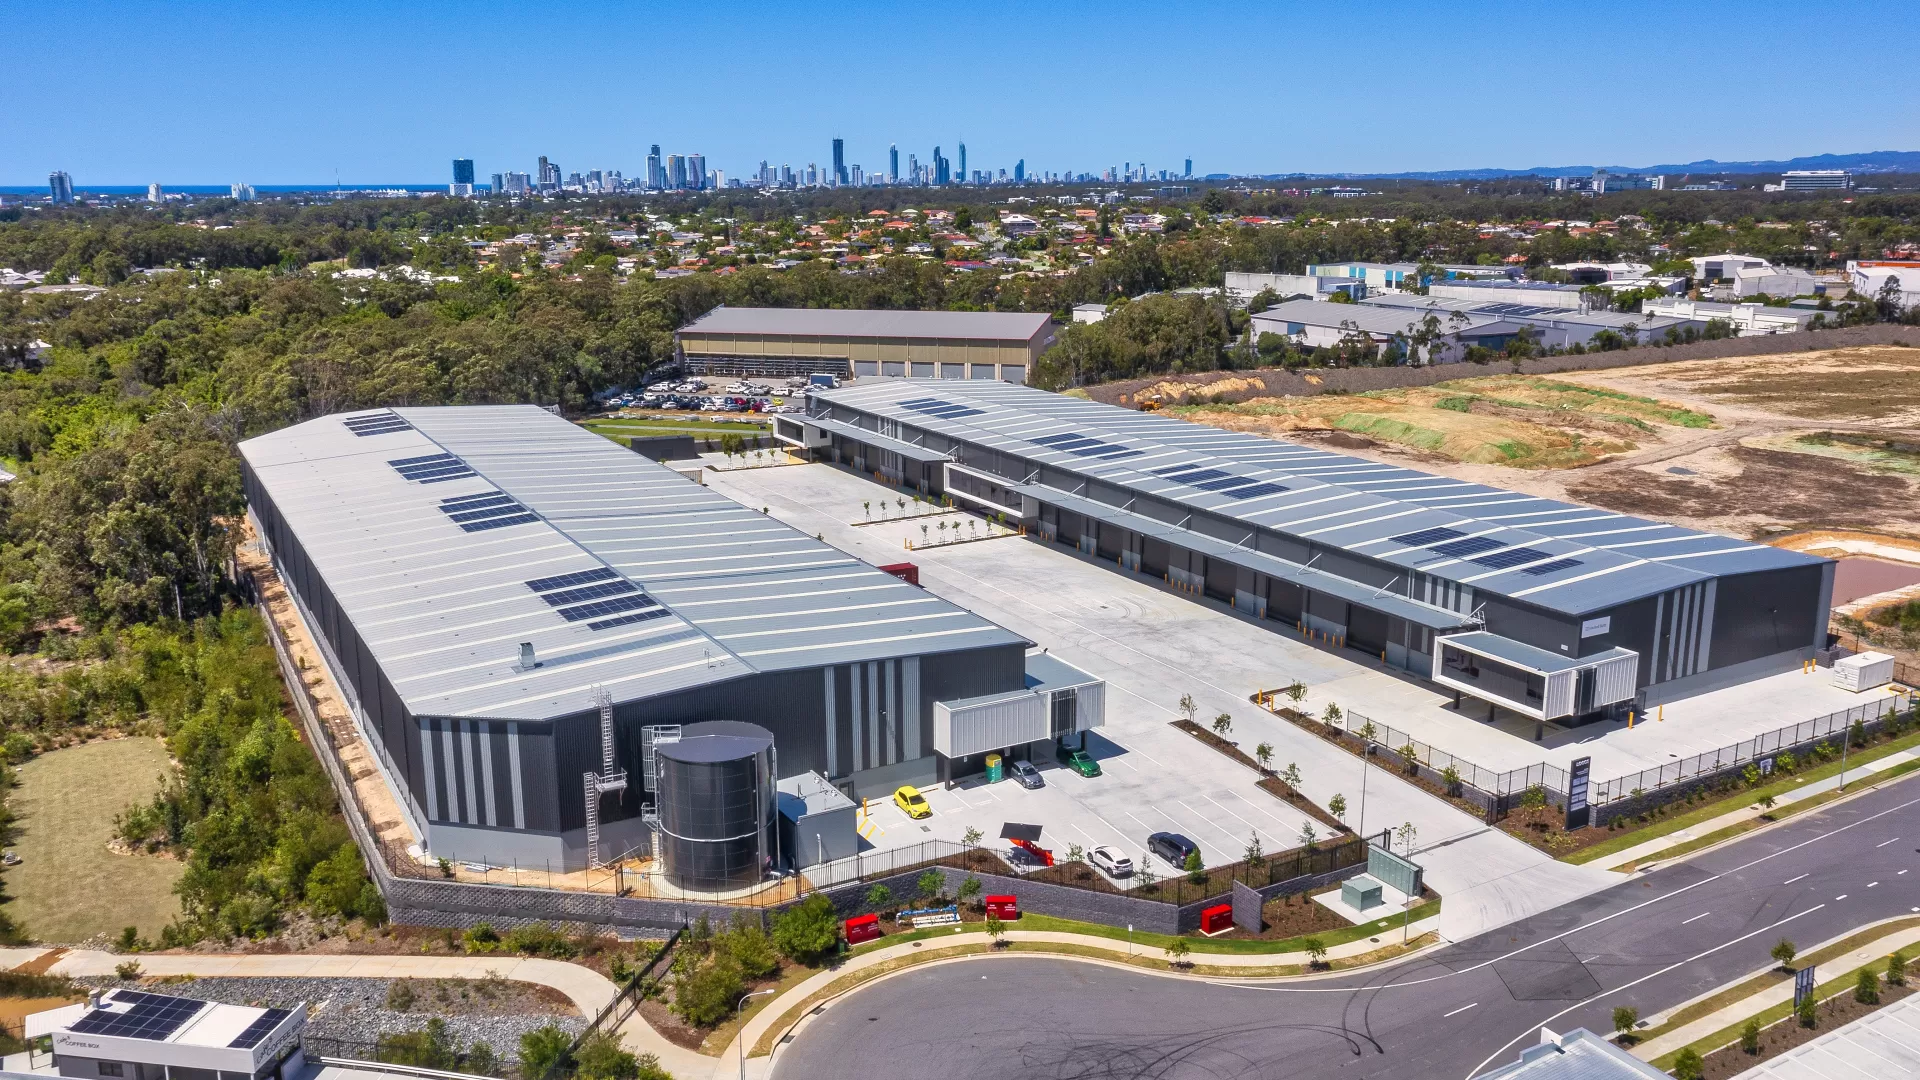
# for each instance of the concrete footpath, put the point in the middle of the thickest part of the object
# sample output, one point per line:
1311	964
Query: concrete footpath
1777	994
1858	776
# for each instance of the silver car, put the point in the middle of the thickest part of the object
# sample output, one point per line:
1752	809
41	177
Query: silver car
1111	861
1028	776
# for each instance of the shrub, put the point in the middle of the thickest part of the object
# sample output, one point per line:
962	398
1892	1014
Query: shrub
1534	797
1750	1037
1866	989
127	970
601	1057
480	938
705	996
809	930
545	1050
1784	951
1624	1017
1450	776
747	946
429	1048
1808	1015
879	898
1687	1065
129	939
540	939
1897	969
400	995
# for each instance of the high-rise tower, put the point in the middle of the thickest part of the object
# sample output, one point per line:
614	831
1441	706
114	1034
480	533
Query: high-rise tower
893	164
61	186
839	162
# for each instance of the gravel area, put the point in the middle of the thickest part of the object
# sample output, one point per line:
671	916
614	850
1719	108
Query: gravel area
355	1010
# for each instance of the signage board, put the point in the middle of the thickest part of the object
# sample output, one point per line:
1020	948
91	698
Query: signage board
1596	627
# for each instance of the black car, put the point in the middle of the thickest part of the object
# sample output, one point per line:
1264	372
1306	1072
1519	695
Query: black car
1028	776
1172	847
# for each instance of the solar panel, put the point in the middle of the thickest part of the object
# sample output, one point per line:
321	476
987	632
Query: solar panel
461	474
147	1016
1427	536
1171	469
606	607
1500	560
1059	439
1221	483
946	410
377	424
588	592
415	472
1553	567
468	502
482	503
640	616
498	523
259	1029
485	512
579	577
1255	491
1460	549
405	461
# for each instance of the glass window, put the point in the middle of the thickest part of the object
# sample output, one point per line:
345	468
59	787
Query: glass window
1497	679
110	1068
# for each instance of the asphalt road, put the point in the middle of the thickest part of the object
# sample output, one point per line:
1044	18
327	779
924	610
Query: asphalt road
1652	942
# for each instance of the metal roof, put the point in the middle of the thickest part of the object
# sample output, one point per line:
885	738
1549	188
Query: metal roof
1577	1055
620	572
836	322
1493	646
1556	555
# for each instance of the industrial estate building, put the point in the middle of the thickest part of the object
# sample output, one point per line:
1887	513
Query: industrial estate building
521	612
1399	320
992	345
1552	610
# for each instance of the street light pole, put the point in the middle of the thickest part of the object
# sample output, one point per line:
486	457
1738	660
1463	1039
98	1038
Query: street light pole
740	1037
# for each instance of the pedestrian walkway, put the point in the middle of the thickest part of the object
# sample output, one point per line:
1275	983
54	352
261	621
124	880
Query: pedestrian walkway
1856	776
1777	994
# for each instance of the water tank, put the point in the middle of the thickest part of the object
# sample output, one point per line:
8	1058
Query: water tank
716	800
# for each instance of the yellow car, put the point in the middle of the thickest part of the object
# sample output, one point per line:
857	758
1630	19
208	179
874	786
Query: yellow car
908	798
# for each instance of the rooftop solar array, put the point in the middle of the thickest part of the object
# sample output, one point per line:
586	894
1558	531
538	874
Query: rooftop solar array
381	423
699	589
946	410
431	468
1082	446
261	1027
1558	555
132	1014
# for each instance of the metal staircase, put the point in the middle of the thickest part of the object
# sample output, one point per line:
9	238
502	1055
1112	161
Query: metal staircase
609	780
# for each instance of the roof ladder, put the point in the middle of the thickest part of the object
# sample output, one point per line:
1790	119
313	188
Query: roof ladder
609	780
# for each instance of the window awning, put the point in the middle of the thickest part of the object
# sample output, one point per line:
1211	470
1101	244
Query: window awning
875	439
1353	592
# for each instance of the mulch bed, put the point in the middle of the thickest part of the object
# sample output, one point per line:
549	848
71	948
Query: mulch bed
1292	916
1278	788
1545	827
1787	1034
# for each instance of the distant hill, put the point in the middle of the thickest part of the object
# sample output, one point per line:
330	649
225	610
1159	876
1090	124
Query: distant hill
1878	161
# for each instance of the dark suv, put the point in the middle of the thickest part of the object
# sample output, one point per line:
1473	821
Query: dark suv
1172	847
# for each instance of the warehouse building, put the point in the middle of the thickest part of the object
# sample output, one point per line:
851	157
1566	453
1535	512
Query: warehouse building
988	345
521	611
1555	611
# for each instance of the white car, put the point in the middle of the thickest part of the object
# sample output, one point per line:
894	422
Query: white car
1111	861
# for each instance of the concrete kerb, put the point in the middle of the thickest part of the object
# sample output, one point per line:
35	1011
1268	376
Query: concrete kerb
773	1012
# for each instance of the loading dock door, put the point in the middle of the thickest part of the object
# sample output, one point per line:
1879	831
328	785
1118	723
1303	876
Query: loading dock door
1113	539
1366	629
1221	577
1153	557
1071	526
1283	600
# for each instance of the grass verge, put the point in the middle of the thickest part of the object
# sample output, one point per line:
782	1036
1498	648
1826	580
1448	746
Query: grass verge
1710	810
1201	945
1727	1036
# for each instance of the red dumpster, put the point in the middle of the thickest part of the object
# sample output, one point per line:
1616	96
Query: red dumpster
1004	908
862	928
905	571
1216	918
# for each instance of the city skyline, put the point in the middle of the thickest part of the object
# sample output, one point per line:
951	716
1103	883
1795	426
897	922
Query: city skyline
308	116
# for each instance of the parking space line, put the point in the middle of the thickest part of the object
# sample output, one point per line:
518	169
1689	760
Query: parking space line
1208	823
1257	809
1216	802
1696	918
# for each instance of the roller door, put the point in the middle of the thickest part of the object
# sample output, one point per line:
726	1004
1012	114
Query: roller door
1283	600
1113	540
1366	629
1153	557
1221	577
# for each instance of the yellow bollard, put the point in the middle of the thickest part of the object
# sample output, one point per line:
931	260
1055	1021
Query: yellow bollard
1663	714
1629	719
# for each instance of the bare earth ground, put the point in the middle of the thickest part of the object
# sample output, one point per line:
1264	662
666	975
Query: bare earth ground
69	888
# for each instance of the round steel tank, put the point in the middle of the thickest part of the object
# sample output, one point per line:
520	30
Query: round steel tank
716	800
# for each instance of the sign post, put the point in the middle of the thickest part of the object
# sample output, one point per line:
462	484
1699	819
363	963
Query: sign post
1802	986
1578	812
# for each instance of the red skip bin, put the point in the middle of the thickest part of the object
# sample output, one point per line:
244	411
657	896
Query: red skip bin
1216	918
1004	908
862	928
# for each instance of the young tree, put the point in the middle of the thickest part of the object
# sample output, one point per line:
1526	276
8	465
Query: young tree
970	888
1337	806
1897	969
1331	717
1407	834
1687	1065
995	928
970	838
932	885
1624	1017
1177	951
1296	691
1255	857
1290	776
1076	853
1750	1037
1308	837
1223	724
1784	951
1188	707
1196	870
879	898
1807	1014
1316	953
1264	755
1450	778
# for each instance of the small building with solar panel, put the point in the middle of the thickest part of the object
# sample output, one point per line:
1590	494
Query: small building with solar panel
123	1034
520	611
1552	610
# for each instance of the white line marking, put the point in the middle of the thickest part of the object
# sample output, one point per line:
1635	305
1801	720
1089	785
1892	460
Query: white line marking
1083	832
1216	802
1258	809
1842	896
1884	843
1871	884
1696	918
1791	880
1480	1068
1901	872
1457	1011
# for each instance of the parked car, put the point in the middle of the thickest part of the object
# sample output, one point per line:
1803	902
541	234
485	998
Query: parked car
1111	861
1028	776
911	802
1172	847
1078	760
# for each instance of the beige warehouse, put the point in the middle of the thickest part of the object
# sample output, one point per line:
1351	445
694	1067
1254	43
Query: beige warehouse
991	345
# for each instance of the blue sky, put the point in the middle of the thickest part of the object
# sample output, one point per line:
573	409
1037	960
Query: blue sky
287	92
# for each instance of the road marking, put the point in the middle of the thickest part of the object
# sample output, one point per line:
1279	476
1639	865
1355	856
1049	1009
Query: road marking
1491	1058
1697	918
1256	808
1457	1011
1137	821
1082	832
1123	764
1901	872
1204	820
1216	802
956	798
1791	880
1884	843
1871	884
1842	896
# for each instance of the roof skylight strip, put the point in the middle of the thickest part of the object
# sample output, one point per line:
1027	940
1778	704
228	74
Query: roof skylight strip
639	616
400	462
607	607
499	523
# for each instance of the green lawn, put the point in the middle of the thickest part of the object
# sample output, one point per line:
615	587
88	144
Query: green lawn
1747	797
1146	941
69	887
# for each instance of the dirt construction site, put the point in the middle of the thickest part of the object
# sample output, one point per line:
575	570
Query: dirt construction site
1818	450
